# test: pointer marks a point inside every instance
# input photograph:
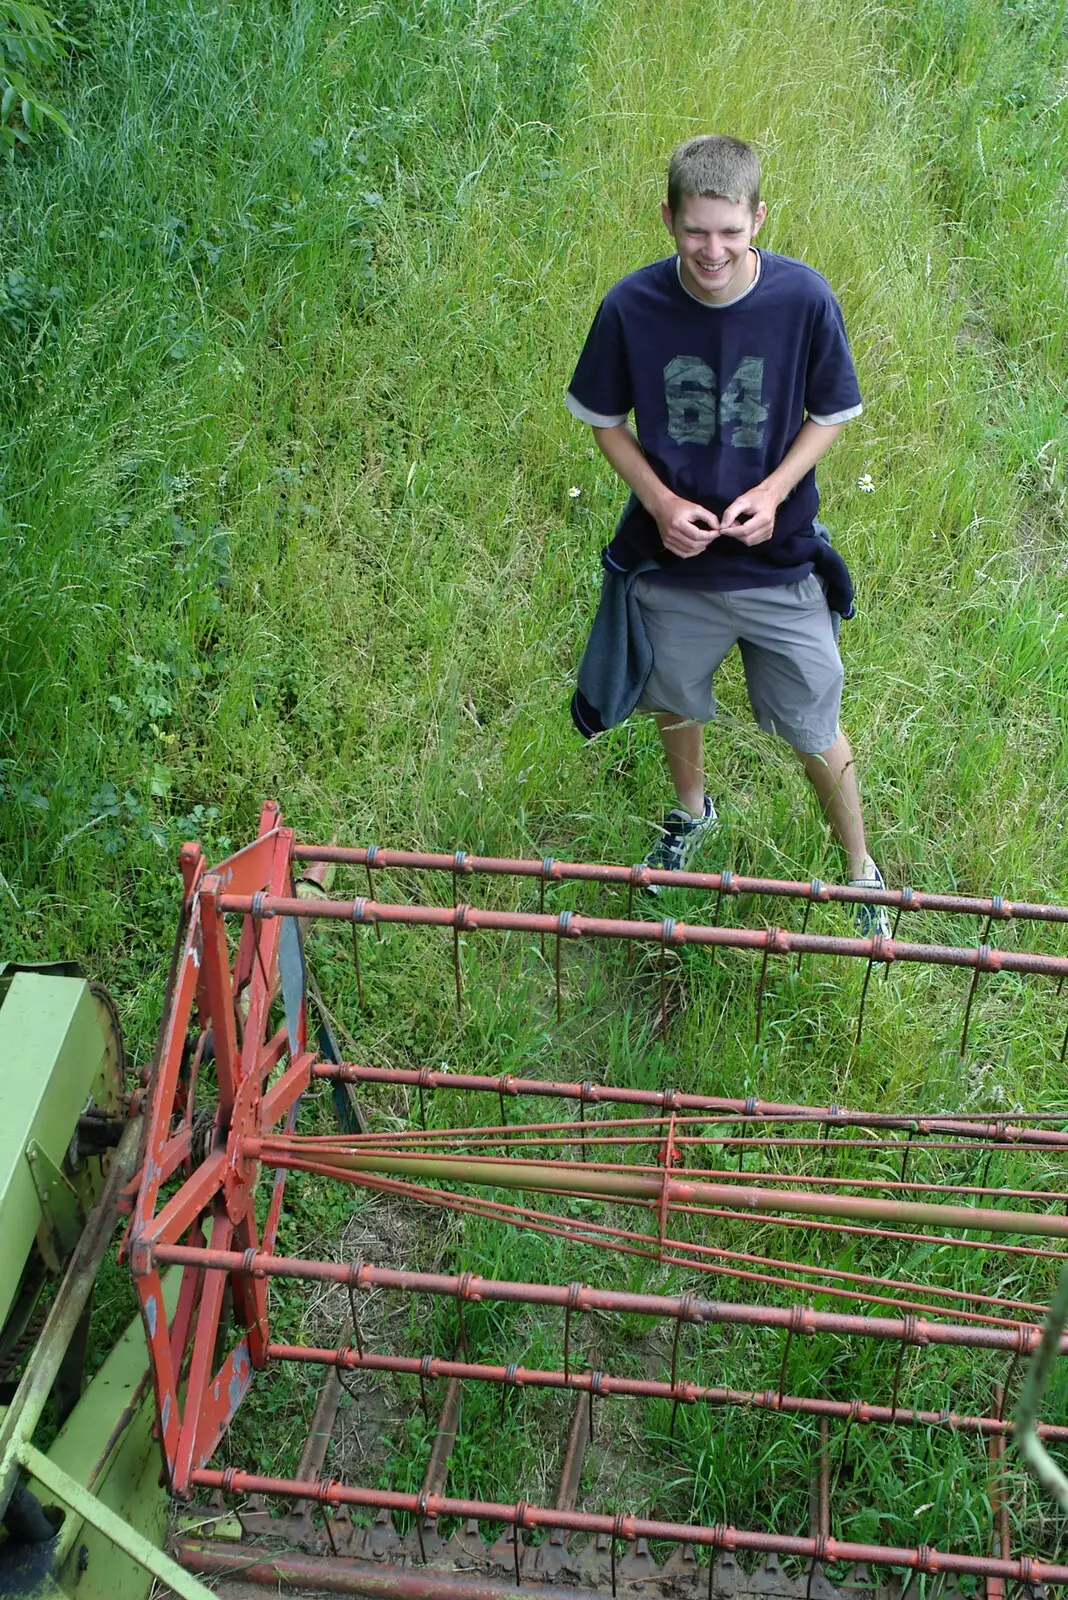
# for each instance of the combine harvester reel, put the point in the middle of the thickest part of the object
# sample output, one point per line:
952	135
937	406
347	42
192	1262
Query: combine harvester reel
749	1205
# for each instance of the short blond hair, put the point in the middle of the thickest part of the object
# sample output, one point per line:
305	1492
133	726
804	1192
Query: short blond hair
716	167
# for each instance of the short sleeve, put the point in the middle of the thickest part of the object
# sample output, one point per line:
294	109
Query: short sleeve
600	391
832	393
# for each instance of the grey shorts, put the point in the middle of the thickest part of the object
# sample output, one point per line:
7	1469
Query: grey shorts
793	672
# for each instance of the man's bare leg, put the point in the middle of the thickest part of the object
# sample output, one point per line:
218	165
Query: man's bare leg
684	751
833	776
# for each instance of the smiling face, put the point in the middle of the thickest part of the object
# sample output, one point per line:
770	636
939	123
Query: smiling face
713	238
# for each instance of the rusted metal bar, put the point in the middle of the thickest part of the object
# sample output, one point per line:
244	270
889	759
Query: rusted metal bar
636	1184
685	1392
251	1564
994	906
445	1435
571	1471
708	1258
322	1426
1026	1569
974	1125
778	941
583	1297
539	1135
823	1482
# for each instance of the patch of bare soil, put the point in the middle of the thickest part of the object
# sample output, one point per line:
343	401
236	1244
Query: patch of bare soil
371	1420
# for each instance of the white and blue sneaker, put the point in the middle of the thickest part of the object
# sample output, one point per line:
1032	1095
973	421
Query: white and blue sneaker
678	843
870	920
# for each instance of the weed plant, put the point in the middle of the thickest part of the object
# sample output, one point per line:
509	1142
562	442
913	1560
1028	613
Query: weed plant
286	508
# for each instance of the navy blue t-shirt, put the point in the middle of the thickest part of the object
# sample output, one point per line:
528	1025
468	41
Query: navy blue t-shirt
719	394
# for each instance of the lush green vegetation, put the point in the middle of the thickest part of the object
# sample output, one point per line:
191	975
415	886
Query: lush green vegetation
285	509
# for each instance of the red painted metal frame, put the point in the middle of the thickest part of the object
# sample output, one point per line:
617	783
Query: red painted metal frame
195	1401
195	1206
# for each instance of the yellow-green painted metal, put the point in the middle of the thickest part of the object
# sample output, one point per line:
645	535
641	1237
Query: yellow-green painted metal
111	1525
106	1445
56	1058
59	1052
19	1422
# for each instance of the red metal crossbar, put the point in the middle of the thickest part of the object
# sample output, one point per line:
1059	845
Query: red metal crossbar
670	933
461	864
524	1516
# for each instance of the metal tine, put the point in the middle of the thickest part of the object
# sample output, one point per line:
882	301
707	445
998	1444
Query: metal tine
457	971
372	851
897	1380
785	1361
356	964
760	993
878	941
683	1314
725	878
863	1000
906	898
907	1152
1007	1385
980	966
356	1333
573	1294
595	1388
458	865
815	890
804	930
663	991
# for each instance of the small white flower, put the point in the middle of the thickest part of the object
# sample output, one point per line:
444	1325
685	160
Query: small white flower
574	492
866	484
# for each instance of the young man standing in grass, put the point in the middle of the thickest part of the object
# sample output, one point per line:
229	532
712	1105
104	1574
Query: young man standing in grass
736	365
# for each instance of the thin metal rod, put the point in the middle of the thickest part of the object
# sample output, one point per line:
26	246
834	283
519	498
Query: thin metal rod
636	1184
630	1528
909	900
630	1242
965	1125
777	940
586	1298
374	1580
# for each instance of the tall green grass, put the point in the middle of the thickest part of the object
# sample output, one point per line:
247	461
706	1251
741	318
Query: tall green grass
285	509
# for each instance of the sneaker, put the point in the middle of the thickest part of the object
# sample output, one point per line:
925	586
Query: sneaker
870	920
681	835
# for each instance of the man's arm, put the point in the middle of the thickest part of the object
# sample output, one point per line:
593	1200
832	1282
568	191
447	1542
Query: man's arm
758	506
685	529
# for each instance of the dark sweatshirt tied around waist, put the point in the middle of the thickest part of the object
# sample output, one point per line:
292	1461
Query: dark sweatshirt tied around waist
618	657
